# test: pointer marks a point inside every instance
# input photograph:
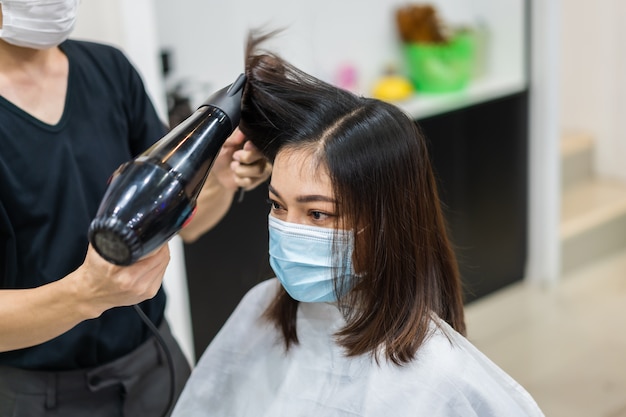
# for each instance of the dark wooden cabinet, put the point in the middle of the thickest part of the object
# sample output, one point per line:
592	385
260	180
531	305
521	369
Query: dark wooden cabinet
225	263
480	157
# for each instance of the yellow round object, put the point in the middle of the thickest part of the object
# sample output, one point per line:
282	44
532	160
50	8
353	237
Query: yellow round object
393	88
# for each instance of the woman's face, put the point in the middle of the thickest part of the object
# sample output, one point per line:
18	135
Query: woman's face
300	190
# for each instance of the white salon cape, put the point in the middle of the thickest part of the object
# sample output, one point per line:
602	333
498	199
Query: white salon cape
245	371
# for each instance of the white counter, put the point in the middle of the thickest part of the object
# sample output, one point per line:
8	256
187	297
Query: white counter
423	105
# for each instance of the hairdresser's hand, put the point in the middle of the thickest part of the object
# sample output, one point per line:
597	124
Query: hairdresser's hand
35	315
240	164
104	285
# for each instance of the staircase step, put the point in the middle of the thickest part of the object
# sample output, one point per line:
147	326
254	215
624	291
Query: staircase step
576	158
593	221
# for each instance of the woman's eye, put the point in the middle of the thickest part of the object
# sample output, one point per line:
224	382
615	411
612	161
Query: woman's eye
274	205
318	215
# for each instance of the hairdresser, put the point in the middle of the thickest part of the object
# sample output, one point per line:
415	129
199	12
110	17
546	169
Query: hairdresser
71	112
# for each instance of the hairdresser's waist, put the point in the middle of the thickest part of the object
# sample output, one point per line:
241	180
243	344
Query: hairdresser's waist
126	368
92	343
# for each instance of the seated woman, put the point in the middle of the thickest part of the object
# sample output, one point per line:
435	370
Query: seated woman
365	317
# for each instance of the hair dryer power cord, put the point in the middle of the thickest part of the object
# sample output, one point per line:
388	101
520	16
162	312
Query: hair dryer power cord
168	356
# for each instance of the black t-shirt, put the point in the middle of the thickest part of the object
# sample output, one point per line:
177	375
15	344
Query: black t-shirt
52	179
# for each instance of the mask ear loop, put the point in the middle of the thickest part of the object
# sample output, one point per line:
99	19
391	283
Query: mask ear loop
355	273
344	280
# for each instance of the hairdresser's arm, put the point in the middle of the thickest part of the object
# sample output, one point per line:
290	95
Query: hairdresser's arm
32	316
239	165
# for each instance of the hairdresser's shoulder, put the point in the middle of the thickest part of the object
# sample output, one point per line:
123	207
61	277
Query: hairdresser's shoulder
96	49
97	56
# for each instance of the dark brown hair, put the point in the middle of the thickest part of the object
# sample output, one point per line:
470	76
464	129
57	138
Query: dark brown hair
383	182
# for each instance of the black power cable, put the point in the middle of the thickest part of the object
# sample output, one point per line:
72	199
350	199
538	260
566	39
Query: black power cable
168	356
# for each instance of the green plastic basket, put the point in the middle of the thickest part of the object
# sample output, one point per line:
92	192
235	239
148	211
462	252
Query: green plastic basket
438	68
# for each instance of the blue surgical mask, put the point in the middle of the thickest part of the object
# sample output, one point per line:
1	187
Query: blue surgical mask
302	258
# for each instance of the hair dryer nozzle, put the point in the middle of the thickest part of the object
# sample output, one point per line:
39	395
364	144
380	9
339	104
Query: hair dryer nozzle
153	196
228	99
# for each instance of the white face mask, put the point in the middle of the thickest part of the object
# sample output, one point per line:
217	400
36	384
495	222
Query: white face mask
37	24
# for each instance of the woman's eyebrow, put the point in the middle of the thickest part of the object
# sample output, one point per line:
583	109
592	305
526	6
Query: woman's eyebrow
273	191
304	198
314	198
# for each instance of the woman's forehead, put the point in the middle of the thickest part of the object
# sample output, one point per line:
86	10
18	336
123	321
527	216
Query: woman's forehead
305	158
299	166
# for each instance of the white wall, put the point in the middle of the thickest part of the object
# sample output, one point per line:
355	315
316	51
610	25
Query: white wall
593	78
207	36
116	22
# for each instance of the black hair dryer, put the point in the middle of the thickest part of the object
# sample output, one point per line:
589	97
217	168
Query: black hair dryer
150	198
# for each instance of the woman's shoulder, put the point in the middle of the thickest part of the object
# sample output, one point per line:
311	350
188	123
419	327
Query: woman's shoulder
254	303
470	379
246	322
262	292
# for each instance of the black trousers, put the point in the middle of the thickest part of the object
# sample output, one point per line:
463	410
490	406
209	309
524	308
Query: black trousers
136	385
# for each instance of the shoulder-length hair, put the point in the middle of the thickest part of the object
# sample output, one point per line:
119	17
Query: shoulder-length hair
383	182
